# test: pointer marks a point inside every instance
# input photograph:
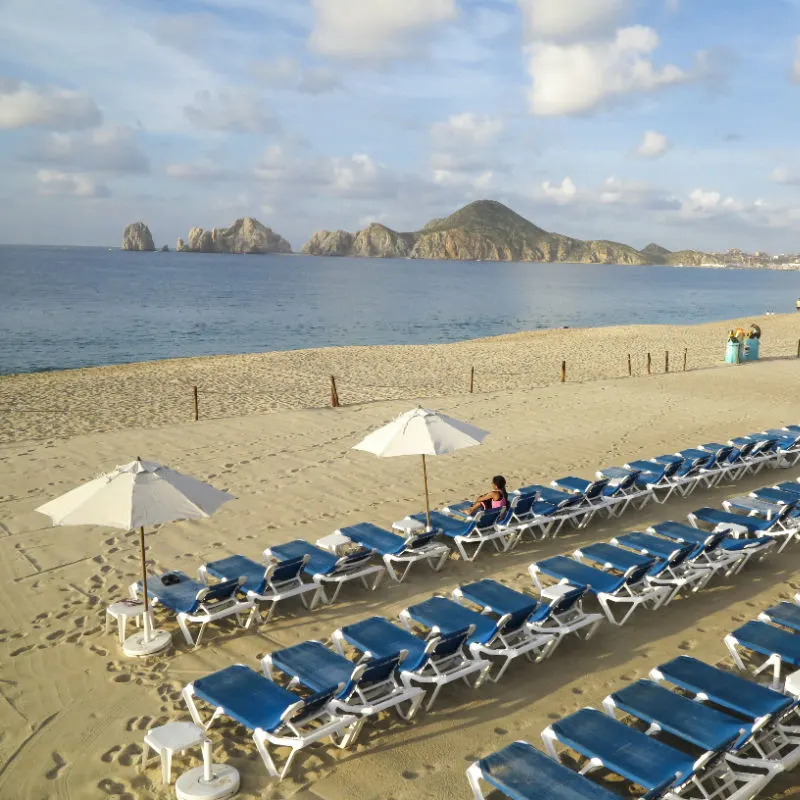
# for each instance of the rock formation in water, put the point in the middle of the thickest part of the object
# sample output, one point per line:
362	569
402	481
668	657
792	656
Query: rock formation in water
485	230
180	247
165	248
246	235
137	236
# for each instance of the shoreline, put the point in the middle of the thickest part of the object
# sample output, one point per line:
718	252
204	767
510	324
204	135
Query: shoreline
350	347
65	403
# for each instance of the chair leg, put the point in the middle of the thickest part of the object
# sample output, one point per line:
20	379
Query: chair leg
184	626
166	765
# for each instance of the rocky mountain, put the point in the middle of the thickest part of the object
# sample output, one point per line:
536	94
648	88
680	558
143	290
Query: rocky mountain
137	236
687	258
246	235
485	230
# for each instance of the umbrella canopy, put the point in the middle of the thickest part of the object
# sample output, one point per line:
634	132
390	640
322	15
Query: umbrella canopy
132	496
135	495
422	432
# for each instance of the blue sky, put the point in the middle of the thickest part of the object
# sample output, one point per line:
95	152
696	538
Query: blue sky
637	120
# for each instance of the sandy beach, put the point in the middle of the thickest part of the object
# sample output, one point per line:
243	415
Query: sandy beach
74	709
58	404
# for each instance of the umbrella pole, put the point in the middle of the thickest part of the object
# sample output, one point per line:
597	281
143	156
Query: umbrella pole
146	620
427	499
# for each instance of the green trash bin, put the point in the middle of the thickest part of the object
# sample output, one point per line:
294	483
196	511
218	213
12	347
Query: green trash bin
732	355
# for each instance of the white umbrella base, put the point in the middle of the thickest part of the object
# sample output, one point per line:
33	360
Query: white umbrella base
193	786
137	647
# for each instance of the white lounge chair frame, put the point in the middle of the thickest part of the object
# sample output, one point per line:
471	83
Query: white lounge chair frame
327	723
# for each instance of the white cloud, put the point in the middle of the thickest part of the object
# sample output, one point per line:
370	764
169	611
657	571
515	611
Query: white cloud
796	64
576	78
653	145
61	184
560	194
570	19
376	29
288	74
633	194
467	129
23	105
111	148
784	176
231	111
701	203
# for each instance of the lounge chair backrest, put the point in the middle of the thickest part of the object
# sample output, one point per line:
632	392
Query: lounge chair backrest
521	504
375	670
567	600
628	481
488	518
595	489
452	642
312	704
354	560
285	570
569	502
786	511
419	539
223	590
637	573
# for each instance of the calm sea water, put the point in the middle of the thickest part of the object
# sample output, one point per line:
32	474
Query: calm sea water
76	307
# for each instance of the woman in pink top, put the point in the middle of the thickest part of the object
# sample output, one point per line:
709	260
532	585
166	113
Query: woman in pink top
497	498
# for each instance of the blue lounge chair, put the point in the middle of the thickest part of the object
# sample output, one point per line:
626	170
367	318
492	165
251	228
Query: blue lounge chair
692	470
471	532
763	451
657	478
771	716
776	496
327	569
717	464
607	495
632	755
756	507
437	661
364	690
396	549
672	570
194	602
276	716
731	461
263	584
592	494
521	772
787	615
720	552
629	589
561	616
781	527
547	516
505	637
714	732
778	646
623	488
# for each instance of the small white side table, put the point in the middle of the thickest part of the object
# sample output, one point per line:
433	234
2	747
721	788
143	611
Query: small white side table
409	525
557	591
334	543
120	612
174	737
792	685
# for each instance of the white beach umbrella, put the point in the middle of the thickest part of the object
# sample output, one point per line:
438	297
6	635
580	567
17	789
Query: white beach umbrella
422	432
132	496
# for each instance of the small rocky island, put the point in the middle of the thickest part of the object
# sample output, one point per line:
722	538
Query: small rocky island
487	231
246	235
137	236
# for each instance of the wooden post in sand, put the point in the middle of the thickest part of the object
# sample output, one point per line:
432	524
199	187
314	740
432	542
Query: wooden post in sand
685	356
563	372
196	404
334	394
630	366
471	379
666	361
649	364
798	348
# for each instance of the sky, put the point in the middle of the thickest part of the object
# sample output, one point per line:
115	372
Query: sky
668	121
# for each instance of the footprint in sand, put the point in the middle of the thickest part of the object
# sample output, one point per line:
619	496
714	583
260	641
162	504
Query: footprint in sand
501	731
138	723
109	755
59	762
409	775
55	635
100	651
690	644
20	650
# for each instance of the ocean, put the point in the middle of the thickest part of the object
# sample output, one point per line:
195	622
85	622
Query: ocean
70	307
